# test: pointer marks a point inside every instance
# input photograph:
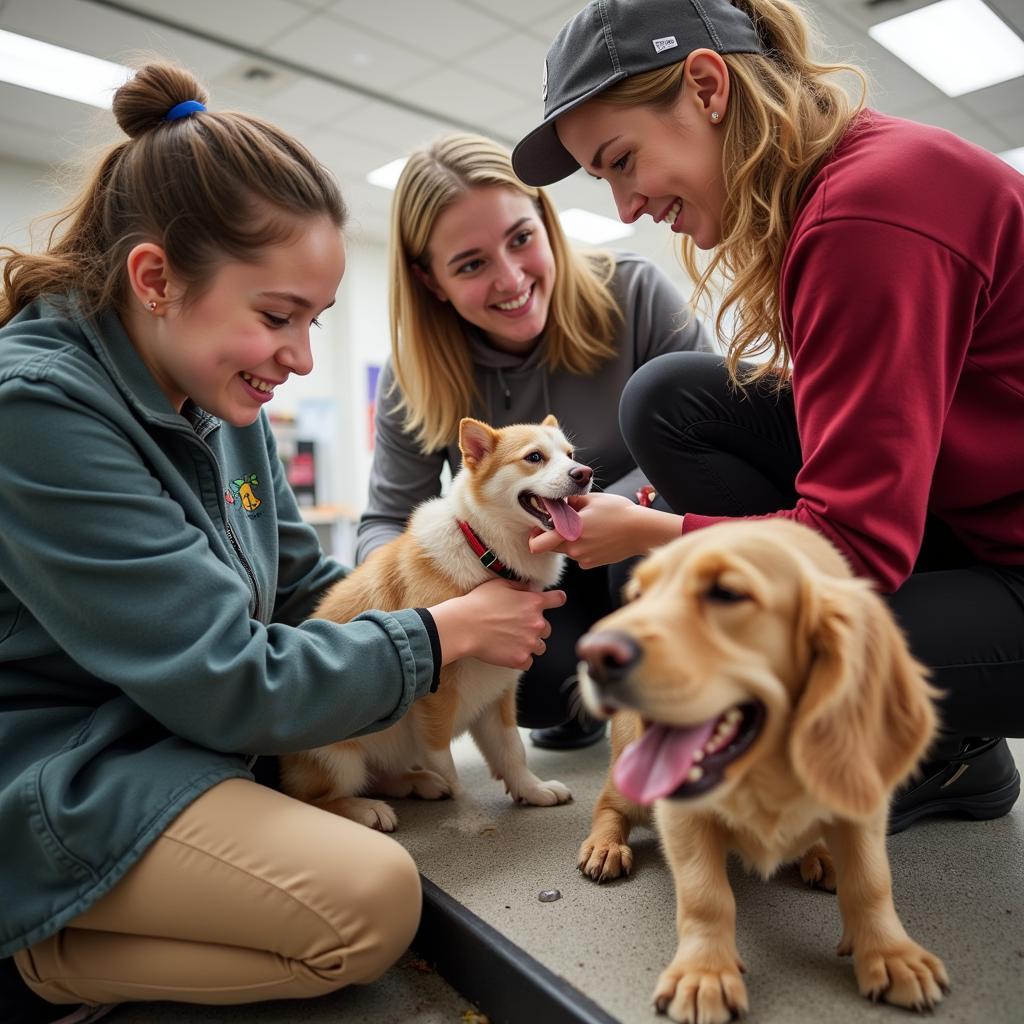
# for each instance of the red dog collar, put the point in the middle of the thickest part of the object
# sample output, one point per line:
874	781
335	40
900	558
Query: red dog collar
488	559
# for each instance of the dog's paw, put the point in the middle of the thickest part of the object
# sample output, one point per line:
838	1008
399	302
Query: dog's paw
543	794
373	814
817	869
602	860
905	975
537	793
699	993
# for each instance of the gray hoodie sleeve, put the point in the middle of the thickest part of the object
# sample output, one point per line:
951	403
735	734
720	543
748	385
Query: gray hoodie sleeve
401	476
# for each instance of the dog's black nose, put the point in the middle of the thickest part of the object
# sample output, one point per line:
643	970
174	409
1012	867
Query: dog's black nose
581	475
609	655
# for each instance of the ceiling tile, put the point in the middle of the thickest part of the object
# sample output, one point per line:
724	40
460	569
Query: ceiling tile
521	121
315	101
893	86
351	55
471	61
112	34
946	113
463	98
860	15
1004	100
440	26
303	130
348	157
233	19
515	62
51	128
546	28
395	130
1011	11
523	12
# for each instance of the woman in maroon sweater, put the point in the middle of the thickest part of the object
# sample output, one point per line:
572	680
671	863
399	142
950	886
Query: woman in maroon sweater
876	268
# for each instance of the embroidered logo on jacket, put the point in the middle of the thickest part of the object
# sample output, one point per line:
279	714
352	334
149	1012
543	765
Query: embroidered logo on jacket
243	489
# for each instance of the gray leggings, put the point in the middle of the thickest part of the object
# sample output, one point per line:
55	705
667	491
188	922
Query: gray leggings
708	449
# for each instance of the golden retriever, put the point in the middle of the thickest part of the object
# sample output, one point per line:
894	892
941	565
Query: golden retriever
764	701
512	480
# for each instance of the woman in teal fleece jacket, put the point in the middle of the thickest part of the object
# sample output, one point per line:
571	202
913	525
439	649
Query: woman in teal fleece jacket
155	583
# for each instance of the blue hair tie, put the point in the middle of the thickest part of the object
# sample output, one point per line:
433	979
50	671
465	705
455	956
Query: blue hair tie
183	110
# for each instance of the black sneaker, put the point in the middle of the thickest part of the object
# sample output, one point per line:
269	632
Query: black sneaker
978	781
20	1005
579	731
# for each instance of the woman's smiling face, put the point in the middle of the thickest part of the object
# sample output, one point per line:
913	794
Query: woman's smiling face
249	330
489	256
665	164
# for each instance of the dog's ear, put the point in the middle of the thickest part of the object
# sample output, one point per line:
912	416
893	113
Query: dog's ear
550	420
476	441
866	715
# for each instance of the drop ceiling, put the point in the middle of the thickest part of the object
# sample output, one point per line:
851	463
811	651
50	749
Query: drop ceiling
360	82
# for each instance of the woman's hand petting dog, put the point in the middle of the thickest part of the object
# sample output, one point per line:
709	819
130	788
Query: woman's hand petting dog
764	700
505	626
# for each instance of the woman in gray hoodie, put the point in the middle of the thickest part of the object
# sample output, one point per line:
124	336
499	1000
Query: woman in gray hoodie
494	315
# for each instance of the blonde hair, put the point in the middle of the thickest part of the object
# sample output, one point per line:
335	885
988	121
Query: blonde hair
207	187
785	117
429	351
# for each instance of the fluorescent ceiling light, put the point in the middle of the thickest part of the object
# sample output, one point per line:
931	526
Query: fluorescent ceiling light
958	45
387	176
591	227
1015	158
52	69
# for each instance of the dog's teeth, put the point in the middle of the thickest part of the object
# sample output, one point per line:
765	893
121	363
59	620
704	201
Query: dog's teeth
733	716
698	755
695	774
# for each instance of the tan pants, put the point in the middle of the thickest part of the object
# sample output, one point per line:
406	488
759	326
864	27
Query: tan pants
248	895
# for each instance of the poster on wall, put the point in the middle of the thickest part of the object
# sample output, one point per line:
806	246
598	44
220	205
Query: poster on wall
372	376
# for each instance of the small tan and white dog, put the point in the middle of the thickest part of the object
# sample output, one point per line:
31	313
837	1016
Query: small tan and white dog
511	481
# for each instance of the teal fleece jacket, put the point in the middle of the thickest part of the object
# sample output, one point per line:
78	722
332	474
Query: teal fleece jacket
155	578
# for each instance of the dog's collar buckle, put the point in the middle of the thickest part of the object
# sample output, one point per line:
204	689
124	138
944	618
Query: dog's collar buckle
488	559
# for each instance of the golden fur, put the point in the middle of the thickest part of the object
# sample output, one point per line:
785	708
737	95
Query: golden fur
427	564
765	614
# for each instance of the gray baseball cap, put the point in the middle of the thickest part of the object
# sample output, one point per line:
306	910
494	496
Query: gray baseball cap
613	39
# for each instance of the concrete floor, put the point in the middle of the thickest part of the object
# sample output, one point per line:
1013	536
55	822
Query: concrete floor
958	886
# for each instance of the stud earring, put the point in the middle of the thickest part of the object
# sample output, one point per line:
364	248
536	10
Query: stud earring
151	305
715	115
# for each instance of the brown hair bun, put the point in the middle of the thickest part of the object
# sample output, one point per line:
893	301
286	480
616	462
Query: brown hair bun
143	101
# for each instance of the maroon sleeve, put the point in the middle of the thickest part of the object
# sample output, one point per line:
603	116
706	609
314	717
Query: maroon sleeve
879	320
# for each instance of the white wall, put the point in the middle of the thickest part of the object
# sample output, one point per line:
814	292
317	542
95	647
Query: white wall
354	336
27	191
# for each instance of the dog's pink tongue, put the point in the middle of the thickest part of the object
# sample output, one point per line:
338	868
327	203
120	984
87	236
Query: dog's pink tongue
658	763
565	517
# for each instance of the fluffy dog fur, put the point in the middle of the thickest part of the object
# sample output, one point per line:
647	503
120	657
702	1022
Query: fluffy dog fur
431	562
814	712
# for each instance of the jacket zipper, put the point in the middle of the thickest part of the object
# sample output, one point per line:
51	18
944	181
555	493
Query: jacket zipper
247	568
